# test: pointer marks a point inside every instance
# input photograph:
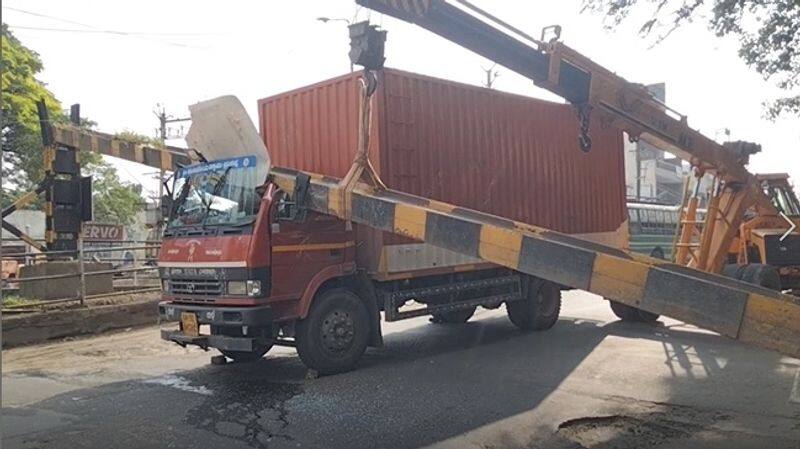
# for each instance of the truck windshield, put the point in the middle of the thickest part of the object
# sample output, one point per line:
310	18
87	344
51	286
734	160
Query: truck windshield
215	193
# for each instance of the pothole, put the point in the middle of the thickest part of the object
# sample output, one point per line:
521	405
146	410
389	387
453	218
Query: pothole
619	432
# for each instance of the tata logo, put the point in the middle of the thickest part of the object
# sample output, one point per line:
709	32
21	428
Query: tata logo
191	250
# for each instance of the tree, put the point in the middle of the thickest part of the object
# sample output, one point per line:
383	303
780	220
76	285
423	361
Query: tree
21	140
114	201
768	32
22	166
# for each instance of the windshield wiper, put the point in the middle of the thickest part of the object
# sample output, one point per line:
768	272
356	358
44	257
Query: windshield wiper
215	192
180	200
200	156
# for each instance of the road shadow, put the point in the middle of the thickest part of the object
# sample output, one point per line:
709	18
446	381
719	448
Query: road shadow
428	384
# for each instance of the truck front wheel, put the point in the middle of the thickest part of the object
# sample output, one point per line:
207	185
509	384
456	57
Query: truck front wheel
334	335
539	311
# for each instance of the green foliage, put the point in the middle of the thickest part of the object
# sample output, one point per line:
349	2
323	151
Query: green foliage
16	301
114	200
130	136
768	32
21	139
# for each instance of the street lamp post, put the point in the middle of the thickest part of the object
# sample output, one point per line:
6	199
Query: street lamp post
337	19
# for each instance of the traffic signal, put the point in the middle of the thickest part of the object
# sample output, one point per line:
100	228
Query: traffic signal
68	199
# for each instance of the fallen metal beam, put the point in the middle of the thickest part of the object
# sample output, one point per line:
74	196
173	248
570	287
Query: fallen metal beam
738	310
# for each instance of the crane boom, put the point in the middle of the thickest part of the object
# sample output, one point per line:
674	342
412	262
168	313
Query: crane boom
595	90
571	75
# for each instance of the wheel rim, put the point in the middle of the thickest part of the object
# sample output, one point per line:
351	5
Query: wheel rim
338	331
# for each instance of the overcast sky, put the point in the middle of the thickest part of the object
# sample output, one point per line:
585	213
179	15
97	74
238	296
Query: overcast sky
255	49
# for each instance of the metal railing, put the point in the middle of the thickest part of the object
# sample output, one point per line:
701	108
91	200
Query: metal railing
80	256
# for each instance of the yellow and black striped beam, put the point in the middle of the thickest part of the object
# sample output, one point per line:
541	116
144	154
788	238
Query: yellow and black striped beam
166	158
22	236
26	199
735	309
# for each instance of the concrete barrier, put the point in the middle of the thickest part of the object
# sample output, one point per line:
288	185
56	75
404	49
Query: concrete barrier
39	327
64	287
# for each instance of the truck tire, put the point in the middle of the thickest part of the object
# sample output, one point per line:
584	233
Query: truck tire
539	311
245	357
454	317
658	253
763	275
734	271
632	314
334	335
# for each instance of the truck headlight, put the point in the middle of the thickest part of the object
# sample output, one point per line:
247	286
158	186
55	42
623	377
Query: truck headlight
237	288
253	288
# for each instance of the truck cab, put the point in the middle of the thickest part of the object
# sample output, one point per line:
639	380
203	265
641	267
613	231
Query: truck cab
241	261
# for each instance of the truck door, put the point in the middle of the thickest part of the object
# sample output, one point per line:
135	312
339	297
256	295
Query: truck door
300	250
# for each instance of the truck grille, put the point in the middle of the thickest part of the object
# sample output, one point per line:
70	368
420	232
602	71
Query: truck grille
195	287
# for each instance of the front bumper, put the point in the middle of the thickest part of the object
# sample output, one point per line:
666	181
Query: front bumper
217	316
225	343
258	316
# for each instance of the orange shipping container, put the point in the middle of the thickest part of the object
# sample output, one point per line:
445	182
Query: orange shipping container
505	154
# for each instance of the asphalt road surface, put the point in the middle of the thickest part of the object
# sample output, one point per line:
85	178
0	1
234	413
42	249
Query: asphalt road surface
590	382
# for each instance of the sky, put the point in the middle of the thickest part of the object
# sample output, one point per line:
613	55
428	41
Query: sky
189	51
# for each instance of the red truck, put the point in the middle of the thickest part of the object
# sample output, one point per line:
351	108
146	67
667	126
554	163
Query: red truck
238	258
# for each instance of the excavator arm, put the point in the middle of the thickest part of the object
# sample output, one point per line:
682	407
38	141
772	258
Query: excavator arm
600	94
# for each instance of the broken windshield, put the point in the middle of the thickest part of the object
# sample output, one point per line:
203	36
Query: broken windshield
215	193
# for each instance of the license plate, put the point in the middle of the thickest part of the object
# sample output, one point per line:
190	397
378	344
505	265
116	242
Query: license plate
189	324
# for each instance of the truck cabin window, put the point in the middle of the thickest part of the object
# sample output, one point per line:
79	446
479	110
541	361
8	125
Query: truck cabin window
215	193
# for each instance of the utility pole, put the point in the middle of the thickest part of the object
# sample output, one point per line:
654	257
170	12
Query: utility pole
638	154
491	76
163	121
162	134
337	19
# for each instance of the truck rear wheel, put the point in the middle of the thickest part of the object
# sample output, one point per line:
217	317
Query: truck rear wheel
539	311
334	335
632	314
763	275
454	317
734	271
754	273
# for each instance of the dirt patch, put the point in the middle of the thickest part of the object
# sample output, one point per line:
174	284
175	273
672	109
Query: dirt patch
94	318
622	432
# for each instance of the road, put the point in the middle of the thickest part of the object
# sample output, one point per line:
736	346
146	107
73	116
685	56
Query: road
590	382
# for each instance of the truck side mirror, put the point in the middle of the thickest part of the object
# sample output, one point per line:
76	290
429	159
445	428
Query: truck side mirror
287	210
295	209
